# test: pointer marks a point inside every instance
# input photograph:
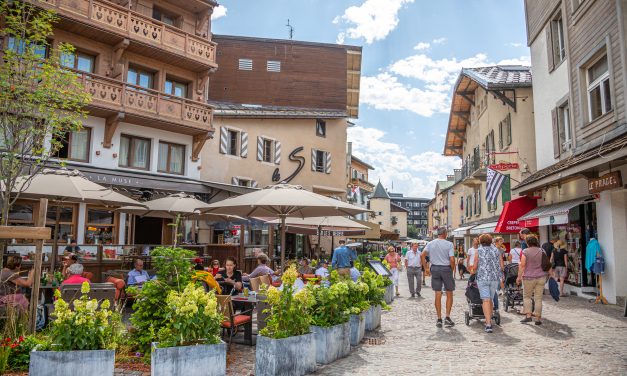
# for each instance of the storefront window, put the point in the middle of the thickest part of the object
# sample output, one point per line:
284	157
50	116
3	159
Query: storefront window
21	214
100	227
66	221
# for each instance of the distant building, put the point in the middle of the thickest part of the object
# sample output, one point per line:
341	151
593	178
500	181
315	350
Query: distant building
390	216
417	211
359	187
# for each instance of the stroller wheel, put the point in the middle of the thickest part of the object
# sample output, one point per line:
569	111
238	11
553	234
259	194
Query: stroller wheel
497	318
506	303
467	318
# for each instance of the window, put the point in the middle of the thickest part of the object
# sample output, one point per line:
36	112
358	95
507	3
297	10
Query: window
557	39
492	206
79	61
505	132
140	77
563	119
320	159
164	16
268	150
245	64
599	93
273	66
100	226
232	142
134	152
19	46
244	182
171	158
66	221
321	128
178	89
75	145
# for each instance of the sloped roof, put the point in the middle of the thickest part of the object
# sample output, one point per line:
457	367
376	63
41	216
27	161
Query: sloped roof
397	208
499	79
380	192
241	110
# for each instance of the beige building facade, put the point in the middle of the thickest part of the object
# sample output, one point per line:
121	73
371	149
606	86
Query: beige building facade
390	217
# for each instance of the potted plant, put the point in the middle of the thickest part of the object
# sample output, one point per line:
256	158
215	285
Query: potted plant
358	305
286	346
375	298
190	339
330	321
84	338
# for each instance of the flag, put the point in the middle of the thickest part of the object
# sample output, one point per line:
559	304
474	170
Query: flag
494	184
356	191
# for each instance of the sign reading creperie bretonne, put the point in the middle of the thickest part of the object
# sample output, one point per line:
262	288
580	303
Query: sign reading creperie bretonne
603	183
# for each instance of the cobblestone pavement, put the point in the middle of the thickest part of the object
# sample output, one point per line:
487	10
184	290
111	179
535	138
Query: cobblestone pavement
576	338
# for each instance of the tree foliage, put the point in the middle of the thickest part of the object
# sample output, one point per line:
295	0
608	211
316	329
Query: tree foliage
40	100
412	232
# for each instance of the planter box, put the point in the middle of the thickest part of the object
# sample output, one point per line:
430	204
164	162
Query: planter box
358	328
373	317
292	356
389	294
332	343
61	363
193	360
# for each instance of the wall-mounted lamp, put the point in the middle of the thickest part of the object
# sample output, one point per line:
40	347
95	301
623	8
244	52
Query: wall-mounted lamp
97	152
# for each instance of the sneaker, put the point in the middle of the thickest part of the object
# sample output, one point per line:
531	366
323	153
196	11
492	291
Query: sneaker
526	320
538	322
488	328
418	294
413	295
448	322
438	323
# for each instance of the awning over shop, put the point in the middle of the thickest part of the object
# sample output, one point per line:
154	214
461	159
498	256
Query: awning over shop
460	232
484	228
556	214
508	221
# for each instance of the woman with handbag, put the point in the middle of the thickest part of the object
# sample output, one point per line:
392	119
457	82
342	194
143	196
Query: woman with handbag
533	271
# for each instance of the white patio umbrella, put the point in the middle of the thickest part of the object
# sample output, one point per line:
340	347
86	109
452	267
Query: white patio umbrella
65	185
174	206
282	201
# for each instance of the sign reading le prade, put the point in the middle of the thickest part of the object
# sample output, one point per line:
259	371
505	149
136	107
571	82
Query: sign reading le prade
603	183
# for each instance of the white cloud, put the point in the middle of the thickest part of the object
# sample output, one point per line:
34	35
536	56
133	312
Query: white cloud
523	60
422	46
385	92
218	12
412	174
439	41
372	20
442	72
514	44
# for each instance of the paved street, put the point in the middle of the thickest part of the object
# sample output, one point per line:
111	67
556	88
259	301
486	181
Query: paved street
577	338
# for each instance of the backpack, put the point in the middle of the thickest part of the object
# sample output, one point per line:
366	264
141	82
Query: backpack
546	262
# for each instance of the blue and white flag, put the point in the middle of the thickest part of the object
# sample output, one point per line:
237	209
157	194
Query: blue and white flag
494	184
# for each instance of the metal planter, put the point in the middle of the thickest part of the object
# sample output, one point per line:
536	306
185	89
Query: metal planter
389	294
195	360
332	343
81	362
373	317
358	328
292	356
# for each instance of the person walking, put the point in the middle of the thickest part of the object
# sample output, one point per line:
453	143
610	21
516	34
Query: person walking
549	248
472	251
461	260
489	266
413	264
440	252
530	271
559	260
393	259
343	258
522	234
515	253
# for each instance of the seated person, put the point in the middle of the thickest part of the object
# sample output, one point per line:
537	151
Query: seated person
10	282
198	264
261	269
305	268
230	279
72	248
138	276
68	260
323	270
215	267
75	272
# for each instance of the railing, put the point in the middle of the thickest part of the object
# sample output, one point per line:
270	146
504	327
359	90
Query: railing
120	96
139	27
476	162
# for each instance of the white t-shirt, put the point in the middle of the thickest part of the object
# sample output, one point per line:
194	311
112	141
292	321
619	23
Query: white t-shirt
515	253
413	260
471	254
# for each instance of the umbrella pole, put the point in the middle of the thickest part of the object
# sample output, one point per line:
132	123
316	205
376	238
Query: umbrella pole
55	238
282	242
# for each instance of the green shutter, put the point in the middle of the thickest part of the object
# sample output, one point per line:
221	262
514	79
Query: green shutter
506	190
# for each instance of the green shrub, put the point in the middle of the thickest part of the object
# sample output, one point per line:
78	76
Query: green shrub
376	291
331	305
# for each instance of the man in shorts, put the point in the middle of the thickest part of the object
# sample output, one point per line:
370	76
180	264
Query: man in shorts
441	255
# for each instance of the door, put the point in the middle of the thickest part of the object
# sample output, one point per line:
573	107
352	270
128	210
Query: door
148	230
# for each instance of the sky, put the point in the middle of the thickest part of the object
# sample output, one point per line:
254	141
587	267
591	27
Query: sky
413	51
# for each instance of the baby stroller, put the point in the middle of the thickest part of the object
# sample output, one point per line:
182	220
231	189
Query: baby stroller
475	308
513	293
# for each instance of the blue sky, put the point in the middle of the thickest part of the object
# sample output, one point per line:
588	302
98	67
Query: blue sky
413	51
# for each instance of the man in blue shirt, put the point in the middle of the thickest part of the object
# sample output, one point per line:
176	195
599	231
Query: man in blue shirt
138	276
343	258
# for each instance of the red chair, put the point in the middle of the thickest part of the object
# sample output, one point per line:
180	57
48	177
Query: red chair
234	321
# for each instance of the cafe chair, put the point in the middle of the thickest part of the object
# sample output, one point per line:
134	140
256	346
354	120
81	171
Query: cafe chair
233	321
255	283
265	279
311	278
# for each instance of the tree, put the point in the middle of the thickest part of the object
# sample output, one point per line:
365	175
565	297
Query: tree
412	232
40	100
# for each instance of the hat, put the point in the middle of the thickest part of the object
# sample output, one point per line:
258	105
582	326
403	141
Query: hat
197	260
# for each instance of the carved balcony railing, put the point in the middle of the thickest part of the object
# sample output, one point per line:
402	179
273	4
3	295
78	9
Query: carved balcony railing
135	26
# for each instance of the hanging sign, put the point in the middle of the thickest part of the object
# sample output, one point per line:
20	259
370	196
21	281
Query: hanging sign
504	166
606	182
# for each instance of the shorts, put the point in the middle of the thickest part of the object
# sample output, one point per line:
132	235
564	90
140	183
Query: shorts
487	289
442	275
561	271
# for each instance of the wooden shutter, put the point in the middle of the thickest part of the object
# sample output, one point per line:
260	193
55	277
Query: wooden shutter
259	148
244	145
327	162
224	140
277	152
549	46
556	133
313	159
501	135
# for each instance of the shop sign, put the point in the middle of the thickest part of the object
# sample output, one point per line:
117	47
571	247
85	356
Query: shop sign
113	180
504	166
606	182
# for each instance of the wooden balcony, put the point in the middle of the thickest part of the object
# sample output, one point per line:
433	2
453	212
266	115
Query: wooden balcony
147	36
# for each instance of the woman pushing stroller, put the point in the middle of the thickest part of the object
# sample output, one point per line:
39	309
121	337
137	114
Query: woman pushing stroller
489	266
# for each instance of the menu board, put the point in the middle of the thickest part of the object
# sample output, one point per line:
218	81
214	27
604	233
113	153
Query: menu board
379	268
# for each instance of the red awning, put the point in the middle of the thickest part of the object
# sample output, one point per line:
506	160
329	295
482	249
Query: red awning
508	221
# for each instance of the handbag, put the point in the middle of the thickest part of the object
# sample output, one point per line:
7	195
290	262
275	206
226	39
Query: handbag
546	262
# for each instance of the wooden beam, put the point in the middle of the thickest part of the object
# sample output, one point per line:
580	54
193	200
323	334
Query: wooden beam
202	23
117	66
459	134
463	115
111	124
201	83
197	145
25	233
501	94
39	248
466	96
